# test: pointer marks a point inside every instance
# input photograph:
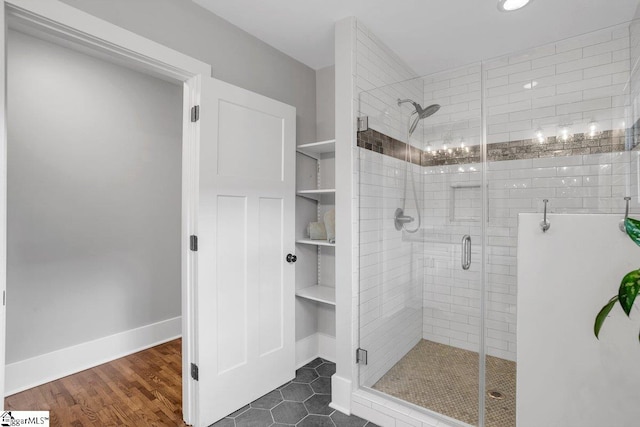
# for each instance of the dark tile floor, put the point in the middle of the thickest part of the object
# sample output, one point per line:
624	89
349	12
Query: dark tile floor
303	402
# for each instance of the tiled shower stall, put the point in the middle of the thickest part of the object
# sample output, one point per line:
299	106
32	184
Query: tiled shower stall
559	123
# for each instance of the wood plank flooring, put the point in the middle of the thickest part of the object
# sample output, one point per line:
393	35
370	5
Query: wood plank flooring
143	389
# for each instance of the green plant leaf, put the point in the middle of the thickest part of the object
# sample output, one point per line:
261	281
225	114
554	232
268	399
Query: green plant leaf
602	315
633	229
628	291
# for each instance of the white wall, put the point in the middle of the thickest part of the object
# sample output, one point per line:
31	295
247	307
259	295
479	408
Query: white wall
592	383
94	196
236	56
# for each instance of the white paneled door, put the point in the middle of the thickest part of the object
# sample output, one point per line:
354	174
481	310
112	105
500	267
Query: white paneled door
245	291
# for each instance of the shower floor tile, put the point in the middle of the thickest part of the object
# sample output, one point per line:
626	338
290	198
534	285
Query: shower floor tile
444	379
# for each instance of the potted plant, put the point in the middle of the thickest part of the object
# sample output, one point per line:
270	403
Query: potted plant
629	287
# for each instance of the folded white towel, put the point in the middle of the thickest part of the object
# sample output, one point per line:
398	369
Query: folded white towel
317	231
330	225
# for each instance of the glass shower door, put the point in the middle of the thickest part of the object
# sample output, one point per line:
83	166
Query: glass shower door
390	261
421	285
453	176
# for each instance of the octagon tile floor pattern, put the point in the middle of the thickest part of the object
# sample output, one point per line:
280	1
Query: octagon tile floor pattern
302	402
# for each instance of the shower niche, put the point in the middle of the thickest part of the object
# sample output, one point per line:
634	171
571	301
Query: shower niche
465	202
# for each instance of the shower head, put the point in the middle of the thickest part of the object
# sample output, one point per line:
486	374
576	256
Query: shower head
422	113
428	111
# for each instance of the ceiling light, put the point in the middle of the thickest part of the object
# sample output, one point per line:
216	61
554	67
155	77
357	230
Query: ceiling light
511	5
531	84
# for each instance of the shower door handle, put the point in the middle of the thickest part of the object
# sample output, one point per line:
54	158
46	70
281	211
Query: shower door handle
466	252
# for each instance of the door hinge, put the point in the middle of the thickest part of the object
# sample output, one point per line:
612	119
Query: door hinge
195	113
361	356
363	123
194	371
193	243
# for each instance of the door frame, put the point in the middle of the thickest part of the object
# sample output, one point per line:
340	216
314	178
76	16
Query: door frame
63	24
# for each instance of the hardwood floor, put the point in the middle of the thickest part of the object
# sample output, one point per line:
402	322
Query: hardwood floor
143	389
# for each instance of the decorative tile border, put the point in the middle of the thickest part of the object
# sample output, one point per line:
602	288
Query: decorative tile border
380	143
607	142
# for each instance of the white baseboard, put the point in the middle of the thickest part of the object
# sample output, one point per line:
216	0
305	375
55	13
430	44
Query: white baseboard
341	394
38	370
315	345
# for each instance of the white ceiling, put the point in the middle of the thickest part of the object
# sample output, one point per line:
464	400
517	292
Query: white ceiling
430	35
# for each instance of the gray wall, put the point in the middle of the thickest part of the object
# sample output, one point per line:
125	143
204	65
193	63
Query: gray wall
236	56
94	191
326	103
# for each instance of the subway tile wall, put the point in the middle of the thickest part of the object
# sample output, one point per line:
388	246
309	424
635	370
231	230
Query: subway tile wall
379	70
453	208
576	81
594	183
459	120
391	265
389	271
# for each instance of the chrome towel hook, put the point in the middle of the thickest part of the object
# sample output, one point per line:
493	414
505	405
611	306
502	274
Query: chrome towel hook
545	225
623	228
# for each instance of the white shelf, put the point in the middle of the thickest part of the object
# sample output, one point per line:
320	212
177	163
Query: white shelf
319	191
315	242
324	294
316	148
316	194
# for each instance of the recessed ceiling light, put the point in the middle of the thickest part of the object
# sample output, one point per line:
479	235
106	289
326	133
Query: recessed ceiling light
511	5
531	84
